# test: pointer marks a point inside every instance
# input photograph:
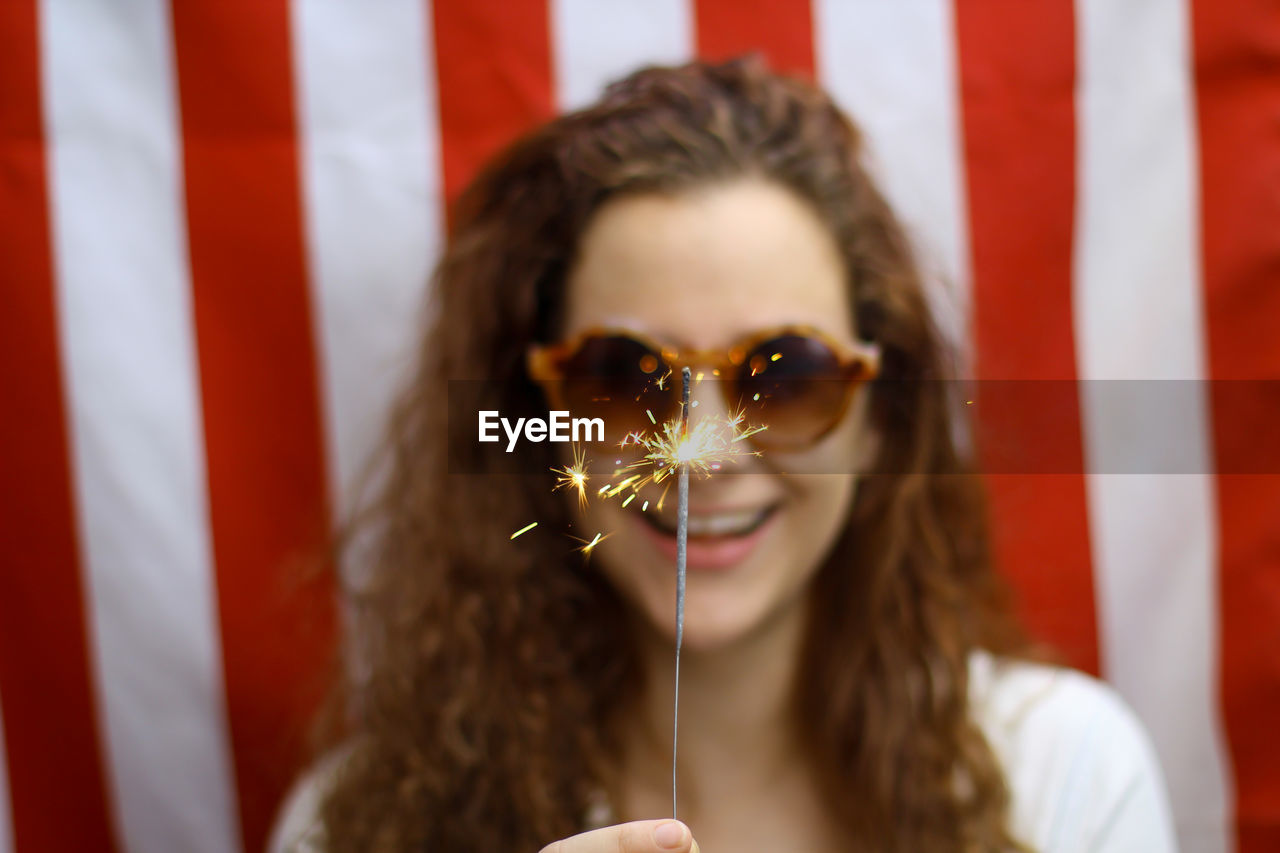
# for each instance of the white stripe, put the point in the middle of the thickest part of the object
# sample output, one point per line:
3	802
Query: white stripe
6	819
135	424
893	67
597	41
371	177
1138	316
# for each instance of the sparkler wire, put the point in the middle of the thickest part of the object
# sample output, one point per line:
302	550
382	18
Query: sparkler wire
682	542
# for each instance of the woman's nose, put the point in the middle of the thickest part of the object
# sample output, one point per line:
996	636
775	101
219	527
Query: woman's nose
706	397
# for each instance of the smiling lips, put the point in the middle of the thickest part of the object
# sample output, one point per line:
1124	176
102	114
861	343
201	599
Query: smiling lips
734	522
717	540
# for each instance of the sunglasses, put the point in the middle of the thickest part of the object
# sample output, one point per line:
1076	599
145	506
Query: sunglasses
796	380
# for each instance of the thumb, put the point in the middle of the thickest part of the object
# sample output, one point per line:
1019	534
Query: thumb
641	836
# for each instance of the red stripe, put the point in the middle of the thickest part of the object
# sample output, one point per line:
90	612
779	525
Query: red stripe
493	72
1017	69
1237	62
56	777
782	30
266	468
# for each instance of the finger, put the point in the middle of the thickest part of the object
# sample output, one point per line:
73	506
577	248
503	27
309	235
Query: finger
641	836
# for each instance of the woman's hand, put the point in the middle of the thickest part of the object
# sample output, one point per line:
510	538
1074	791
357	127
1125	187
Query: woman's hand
640	836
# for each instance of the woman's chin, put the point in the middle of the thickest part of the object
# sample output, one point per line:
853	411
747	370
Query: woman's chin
708	639
709	626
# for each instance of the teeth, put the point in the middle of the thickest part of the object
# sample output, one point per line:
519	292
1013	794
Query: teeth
719	524
724	524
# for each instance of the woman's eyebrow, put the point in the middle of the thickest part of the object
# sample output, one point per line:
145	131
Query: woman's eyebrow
657	335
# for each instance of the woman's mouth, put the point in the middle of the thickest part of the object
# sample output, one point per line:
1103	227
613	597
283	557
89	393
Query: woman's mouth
718	539
738	522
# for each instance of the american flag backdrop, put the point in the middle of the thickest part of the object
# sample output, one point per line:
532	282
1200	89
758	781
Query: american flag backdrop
216	221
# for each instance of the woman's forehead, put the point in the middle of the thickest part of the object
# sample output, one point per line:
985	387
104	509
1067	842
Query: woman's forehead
698	267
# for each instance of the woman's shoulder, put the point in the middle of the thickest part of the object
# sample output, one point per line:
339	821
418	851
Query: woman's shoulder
1081	770
298	827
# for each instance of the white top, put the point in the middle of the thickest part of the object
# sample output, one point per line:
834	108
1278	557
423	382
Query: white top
1081	771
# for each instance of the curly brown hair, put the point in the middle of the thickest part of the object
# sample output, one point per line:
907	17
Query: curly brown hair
491	674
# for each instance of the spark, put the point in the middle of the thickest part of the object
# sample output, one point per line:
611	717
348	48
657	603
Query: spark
574	476
524	529
614	489
588	547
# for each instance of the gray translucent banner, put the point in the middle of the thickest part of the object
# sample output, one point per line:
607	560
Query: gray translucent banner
1002	427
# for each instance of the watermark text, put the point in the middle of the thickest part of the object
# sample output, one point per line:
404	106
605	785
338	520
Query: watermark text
557	426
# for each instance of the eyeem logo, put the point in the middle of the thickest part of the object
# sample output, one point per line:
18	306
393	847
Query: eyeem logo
558	427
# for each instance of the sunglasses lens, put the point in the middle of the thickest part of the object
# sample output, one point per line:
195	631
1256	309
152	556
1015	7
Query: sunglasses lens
794	384
616	378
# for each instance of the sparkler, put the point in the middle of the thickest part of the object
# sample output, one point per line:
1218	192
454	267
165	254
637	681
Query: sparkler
676	450
682	544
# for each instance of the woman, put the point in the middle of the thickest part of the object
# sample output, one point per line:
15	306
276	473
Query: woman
850	678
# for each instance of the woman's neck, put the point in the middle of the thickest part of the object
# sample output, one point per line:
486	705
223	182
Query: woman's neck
738	729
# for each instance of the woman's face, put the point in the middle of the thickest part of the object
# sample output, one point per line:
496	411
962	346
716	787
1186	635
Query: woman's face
701	270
